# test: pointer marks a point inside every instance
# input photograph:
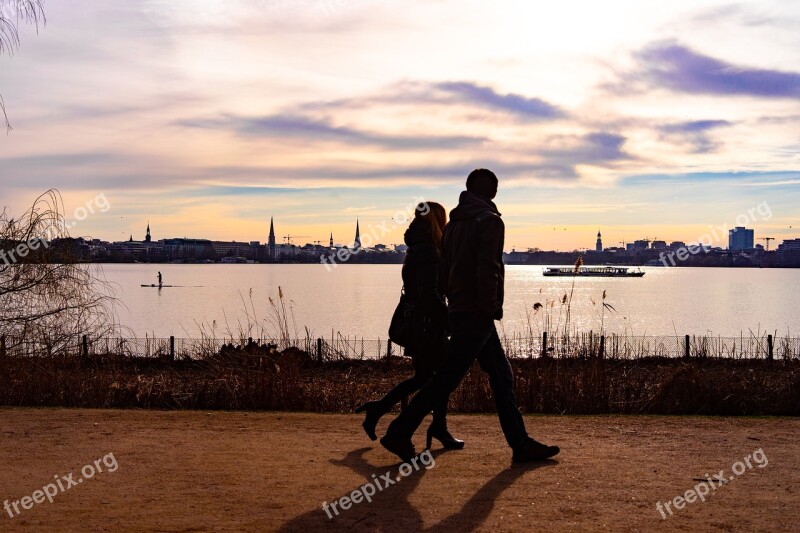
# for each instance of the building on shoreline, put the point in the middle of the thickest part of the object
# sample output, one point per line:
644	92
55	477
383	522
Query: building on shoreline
193	250
640	252
788	253
248	250
740	238
646	252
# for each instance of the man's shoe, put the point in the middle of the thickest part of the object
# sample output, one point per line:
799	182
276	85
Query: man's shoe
534	451
401	447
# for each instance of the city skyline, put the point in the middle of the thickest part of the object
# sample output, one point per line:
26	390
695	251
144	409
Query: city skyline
319	112
599	244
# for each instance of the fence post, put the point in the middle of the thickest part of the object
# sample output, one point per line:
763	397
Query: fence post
602	346
319	350
2	345
404	399
171	348
85	344
687	347
544	344
769	347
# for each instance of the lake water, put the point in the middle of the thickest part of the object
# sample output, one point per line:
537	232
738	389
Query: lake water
358	300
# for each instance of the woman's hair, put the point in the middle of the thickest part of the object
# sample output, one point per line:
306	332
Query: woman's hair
436	216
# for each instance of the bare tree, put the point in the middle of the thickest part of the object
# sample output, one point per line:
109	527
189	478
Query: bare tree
49	294
12	14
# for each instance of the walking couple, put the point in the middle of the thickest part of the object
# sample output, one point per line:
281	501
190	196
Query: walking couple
461	261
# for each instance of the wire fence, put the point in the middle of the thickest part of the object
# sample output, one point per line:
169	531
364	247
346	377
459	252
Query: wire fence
340	347
616	346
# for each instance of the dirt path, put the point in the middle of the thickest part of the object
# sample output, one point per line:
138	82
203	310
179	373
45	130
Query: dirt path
222	471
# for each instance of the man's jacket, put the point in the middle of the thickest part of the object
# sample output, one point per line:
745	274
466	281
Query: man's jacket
472	262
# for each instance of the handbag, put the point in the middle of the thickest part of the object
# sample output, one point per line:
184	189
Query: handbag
401	327
411	329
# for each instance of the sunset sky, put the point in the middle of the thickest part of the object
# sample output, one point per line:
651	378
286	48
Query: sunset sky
205	117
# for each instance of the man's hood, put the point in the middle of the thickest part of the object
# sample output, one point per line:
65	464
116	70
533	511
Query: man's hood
471	205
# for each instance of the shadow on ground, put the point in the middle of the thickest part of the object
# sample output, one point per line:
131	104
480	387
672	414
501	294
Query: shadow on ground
391	509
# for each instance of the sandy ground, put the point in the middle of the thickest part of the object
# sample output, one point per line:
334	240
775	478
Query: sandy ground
227	471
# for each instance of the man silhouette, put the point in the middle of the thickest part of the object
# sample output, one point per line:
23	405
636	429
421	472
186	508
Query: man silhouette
473	278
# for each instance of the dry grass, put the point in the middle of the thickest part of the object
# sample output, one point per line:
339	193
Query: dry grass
268	379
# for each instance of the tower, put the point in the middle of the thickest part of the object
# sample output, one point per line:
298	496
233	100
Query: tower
599	246
331	243
271	249
147	237
357	242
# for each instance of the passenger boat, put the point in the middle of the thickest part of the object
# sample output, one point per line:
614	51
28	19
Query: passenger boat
604	271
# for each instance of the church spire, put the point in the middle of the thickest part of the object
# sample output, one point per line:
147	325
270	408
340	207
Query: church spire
357	242
331	243
147	237
271	241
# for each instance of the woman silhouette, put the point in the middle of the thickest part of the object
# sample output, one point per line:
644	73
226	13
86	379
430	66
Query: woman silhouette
427	351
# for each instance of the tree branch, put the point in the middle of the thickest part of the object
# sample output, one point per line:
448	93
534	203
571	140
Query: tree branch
12	14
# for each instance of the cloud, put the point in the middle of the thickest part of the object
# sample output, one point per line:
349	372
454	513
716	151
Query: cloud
694	126
672	66
93	170
297	126
555	162
602	147
694	133
596	148
719	179
745	15
434	173
482	96
560	208
783	119
61	160
781	183
359	209
449	93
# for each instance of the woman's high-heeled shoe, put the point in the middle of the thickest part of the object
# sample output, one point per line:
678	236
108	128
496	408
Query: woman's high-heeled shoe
374	413
443	436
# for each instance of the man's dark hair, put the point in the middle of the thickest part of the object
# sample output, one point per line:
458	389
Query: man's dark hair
482	182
